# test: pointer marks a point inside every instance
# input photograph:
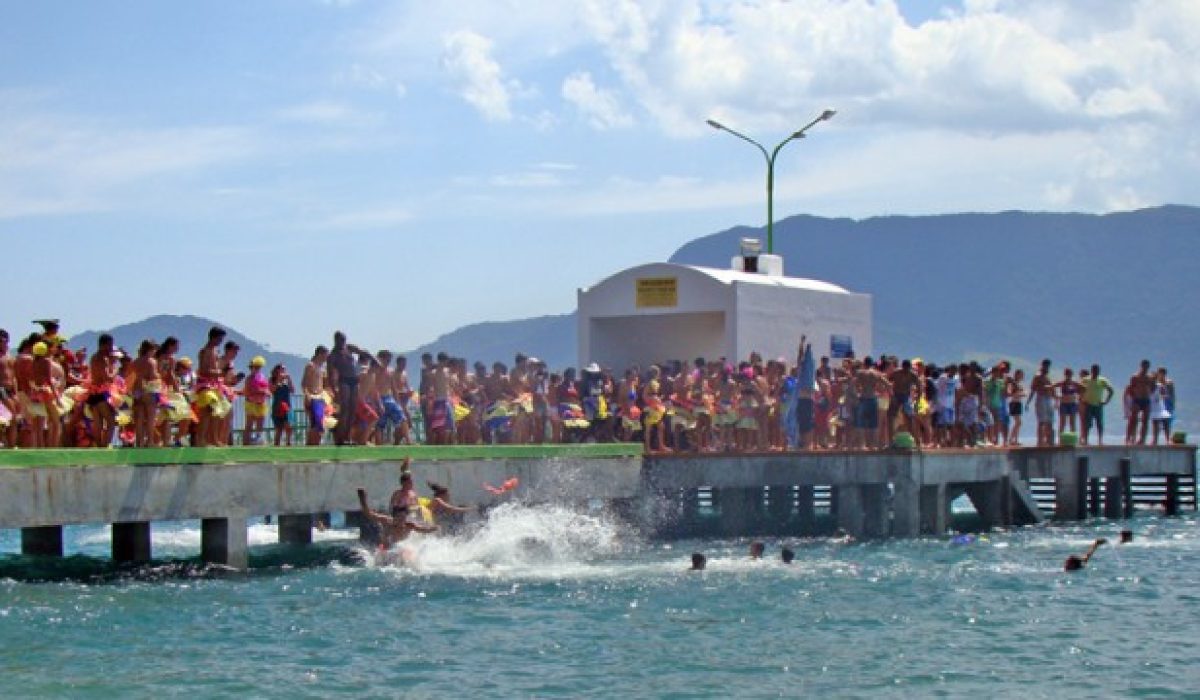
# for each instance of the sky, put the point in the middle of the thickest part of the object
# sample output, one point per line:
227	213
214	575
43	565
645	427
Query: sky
399	169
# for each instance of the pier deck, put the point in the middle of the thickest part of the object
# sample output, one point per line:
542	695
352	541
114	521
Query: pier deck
870	494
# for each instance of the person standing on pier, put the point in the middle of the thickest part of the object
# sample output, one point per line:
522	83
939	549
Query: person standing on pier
1140	386
343	377
8	392
313	386
1097	392
1041	393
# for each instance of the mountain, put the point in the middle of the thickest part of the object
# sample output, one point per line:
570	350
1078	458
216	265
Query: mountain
192	332
549	338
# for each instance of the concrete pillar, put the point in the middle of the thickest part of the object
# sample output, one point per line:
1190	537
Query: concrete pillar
806	512
875	512
1172	504
1094	497
42	541
848	501
906	508
780	508
993	501
1114	498
741	510
1070	492
131	542
1126	470
296	529
935	509
224	541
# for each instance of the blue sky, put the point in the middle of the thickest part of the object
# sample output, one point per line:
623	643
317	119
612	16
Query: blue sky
398	169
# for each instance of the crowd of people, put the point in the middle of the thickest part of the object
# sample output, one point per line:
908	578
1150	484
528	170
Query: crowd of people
52	396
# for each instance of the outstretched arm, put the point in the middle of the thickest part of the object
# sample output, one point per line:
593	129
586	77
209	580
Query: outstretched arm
1095	545
443	505
378	519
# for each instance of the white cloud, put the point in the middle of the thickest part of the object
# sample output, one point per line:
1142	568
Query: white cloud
478	78
601	108
329	113
363	219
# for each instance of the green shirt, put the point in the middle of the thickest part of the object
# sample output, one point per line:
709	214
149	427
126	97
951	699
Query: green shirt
1093	390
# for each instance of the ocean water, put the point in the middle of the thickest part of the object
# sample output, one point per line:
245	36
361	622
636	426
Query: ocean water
545	602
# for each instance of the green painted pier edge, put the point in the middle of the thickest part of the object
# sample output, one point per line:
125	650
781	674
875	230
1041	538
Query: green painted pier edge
868	495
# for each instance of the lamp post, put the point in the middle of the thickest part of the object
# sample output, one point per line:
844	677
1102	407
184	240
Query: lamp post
824	116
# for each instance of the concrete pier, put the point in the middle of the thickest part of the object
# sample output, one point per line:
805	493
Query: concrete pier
872	494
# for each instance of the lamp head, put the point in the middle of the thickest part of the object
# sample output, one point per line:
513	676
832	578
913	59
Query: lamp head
715	124
828	114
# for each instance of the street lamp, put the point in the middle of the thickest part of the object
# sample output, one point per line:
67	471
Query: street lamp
824	116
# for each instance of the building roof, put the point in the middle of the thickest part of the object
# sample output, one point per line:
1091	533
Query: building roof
731	276
727	277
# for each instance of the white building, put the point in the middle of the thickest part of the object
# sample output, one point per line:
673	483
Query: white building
664	311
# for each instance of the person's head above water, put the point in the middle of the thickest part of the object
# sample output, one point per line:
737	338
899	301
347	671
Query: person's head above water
1075	562
699	561
787	555
1126	536
756	550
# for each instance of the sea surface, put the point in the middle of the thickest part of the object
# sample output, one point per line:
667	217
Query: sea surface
549	602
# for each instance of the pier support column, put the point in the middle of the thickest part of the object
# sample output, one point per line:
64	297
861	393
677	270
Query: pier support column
354	518
780	509
906	509
741	510
296	529
1094	497
131	542
224	541
806	512
935	510
42	541
875	511
993	501
1171	506
1070	492
1114	498
849	504
1126	467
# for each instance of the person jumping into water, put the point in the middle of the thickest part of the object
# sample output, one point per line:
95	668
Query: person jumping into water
393	528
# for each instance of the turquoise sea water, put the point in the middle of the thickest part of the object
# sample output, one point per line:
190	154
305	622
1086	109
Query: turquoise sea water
591	609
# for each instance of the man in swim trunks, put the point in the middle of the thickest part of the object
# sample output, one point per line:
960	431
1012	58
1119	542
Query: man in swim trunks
441	418
904	381
393	527
1141	385
209	388
868	385
1041	391
343	377
102	371
313	386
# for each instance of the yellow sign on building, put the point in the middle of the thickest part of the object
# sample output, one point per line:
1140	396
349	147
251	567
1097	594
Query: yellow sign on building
657	292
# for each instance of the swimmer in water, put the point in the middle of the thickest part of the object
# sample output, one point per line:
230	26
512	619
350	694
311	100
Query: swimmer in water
1075	563
699	561
787	555
393	528
1126	537
756	550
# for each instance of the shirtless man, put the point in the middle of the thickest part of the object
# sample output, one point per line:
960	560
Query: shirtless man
904	380
403	393
394	527
1141	385
101	373
391	416
343	377
868	385
441	420
313	386
970	402
1041	390
8	391
208	389
366	414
